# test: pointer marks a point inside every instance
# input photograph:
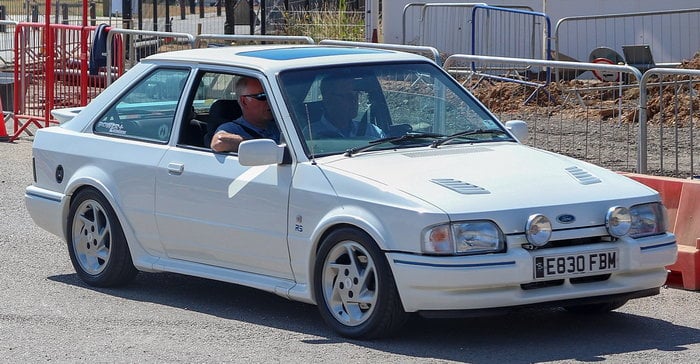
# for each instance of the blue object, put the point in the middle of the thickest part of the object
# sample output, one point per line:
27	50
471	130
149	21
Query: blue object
98	54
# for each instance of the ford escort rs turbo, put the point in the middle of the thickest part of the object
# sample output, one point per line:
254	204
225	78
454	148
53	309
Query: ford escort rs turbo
430	206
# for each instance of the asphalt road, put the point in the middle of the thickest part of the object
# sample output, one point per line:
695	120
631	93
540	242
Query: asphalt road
47	314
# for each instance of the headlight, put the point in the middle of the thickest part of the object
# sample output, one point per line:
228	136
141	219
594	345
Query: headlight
465	237
647	219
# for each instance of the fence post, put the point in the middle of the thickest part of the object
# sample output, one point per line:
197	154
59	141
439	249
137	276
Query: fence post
253	18
642	152
3	28
168	21
35	13
262	17
230	21
139	6
155	16
93	13
64	14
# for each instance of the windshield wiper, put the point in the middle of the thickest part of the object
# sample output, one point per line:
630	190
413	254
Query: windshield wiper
393	140
464	133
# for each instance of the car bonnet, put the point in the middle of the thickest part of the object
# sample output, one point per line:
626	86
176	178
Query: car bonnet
498	176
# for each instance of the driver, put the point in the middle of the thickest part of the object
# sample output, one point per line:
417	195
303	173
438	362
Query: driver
339	101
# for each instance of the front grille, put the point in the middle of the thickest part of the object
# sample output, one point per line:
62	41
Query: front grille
559	282
542	284
570	242
598	278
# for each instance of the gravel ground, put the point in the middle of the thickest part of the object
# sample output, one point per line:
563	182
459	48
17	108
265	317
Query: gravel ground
47	314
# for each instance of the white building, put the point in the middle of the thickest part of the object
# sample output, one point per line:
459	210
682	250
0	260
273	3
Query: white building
671	38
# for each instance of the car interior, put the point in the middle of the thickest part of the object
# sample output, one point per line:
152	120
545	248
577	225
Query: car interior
305	99
212	104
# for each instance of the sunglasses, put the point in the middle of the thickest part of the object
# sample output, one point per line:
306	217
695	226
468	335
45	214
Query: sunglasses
260	97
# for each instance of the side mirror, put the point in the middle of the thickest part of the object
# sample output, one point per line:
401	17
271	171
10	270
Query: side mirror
260	152
519	129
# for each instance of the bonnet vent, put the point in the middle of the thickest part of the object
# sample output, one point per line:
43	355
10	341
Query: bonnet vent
459	186
583	176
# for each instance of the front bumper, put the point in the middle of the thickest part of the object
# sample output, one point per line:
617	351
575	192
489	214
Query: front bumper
429	283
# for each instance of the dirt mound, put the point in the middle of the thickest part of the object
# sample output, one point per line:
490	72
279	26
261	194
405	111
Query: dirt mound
668	102
675	103
692	64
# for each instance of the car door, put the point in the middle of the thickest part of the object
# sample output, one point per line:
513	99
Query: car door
212	210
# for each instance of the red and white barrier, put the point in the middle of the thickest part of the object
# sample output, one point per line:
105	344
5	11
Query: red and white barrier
682	200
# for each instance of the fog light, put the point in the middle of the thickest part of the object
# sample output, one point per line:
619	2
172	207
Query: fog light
618	221
538	230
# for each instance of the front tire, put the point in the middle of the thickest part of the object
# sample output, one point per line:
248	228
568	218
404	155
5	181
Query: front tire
354	288
96	242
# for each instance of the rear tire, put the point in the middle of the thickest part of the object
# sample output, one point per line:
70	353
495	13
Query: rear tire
593	308
354	288
96	242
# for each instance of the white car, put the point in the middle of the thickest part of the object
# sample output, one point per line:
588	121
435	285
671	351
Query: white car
432	207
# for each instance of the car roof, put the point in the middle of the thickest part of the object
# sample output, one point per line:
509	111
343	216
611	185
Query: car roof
271	58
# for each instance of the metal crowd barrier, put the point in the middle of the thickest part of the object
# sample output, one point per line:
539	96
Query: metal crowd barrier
508	32
671	131
429	52
7	80
440	25
208	40
142	43
673	35
446	26
586	119
42	83
7	31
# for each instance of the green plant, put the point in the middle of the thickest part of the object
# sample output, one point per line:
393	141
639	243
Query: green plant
337	24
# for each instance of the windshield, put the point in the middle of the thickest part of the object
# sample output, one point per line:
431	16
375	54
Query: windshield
383	106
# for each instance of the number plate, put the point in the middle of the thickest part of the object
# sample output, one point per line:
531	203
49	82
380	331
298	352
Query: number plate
568	265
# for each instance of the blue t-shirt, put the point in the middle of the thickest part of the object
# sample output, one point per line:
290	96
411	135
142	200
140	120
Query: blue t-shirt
325	129
247	130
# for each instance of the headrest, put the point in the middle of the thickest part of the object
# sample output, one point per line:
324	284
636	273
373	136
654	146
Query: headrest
224	110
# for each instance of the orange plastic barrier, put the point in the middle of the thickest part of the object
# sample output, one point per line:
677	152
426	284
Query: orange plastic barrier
682	200
3	130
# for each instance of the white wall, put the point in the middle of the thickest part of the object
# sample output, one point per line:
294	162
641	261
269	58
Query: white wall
392	14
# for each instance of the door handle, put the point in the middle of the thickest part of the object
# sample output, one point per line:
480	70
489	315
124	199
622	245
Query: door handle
175	168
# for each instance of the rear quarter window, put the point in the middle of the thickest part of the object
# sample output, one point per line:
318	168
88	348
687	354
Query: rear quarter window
147	110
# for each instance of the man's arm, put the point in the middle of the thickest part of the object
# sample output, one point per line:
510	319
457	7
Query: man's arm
225	142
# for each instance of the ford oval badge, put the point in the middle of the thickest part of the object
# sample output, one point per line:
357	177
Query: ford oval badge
566	219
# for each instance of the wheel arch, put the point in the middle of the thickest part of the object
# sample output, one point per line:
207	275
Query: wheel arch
339	219
383	312
100	181
82	180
